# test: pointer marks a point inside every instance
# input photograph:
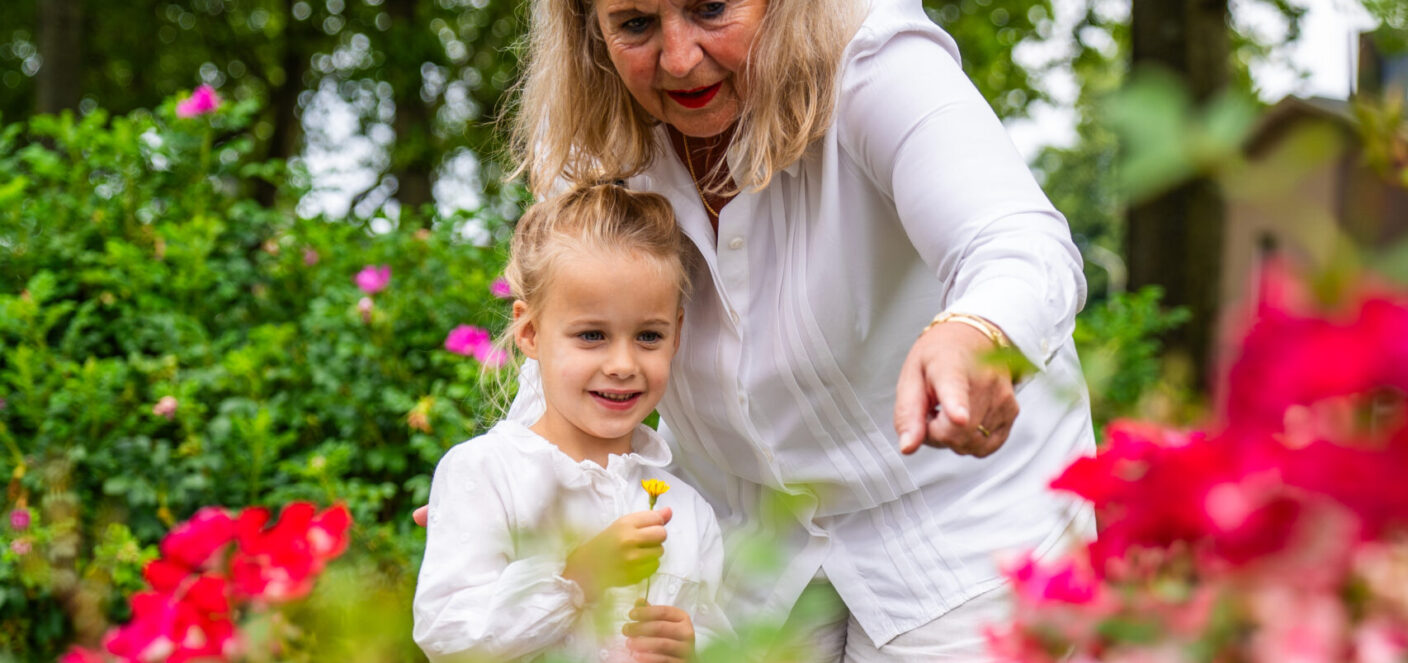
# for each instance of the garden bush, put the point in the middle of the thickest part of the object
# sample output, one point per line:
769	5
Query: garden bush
166	344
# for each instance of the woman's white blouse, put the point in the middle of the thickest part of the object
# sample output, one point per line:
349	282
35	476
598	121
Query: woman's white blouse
913	203
506	508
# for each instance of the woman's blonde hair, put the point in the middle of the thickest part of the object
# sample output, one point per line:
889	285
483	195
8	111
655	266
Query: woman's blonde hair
574	118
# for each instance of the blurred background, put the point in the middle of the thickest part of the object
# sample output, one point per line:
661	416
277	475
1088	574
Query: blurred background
212	260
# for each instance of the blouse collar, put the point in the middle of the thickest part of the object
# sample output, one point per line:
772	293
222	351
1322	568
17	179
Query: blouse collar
648	449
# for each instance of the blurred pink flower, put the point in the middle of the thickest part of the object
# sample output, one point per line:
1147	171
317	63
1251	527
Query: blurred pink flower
373	279
1380	640
202	100
310	257
501	289
166	407
364	308
466	340
491	356
19	519
20	547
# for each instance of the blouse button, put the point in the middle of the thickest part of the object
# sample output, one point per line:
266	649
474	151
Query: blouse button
604	654
734	316
735	243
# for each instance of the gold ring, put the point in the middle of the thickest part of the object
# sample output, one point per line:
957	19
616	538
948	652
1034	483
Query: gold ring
984	430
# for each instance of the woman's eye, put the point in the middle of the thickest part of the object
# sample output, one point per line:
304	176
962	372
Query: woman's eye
711	9
650	337
636	25
591	336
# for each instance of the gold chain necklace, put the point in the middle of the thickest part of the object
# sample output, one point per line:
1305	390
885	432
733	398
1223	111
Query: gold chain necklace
689	161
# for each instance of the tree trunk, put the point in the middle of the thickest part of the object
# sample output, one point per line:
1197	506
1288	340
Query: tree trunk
1175	240
288	127
60	82
415	155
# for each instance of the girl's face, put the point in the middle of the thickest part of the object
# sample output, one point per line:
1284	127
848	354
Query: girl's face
603	336
682	59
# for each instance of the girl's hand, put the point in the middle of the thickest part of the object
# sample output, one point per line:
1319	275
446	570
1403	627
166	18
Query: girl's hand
945	366
624	553
659	634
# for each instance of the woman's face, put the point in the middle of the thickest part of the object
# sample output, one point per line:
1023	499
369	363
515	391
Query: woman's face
682	60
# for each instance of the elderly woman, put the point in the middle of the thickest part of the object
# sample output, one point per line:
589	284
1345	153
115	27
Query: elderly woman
869	236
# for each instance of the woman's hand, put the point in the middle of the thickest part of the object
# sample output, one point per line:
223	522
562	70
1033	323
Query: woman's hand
659	634
976	405
624	553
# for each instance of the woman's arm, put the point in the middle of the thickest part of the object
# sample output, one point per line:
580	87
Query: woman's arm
916	126
474	600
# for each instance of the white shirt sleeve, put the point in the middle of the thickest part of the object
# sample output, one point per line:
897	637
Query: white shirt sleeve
474	600
913	122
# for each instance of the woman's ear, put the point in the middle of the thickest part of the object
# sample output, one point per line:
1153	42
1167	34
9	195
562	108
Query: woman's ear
525	334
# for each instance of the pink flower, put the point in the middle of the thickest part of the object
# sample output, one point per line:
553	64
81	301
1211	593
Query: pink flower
373	279
471	341
310	257
194	542
166	407
364	308
21	547
501	289
19	519
202	100
466	340
491	356
1063	581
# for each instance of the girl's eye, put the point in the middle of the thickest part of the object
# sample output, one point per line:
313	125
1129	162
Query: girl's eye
650	337
591	336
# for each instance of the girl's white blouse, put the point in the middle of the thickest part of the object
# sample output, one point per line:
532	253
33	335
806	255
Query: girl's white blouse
915	202
506	508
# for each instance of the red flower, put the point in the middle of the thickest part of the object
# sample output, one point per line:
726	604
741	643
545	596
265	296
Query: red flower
165	628
278	564
194	542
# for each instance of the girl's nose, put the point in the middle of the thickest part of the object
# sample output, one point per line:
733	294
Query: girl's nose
620	362
680	52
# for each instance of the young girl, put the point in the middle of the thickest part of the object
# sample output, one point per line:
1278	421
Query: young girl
541	538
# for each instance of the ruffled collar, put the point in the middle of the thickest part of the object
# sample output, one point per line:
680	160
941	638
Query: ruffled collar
648	449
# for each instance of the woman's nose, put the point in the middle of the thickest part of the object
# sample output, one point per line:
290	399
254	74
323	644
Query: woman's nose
681	51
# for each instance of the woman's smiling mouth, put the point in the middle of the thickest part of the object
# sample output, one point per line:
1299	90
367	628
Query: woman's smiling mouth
697	97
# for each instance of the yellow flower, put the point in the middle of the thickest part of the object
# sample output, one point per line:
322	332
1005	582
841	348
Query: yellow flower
654	488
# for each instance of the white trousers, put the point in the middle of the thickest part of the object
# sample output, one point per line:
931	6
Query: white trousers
834	636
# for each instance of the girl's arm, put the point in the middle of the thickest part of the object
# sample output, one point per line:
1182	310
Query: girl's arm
474	600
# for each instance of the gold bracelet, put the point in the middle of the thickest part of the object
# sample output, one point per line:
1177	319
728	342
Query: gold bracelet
981	324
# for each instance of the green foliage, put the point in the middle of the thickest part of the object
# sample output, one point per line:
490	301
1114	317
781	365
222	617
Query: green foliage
131	270
987	32
1119	348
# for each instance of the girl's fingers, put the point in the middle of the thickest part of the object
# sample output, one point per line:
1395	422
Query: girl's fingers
666	647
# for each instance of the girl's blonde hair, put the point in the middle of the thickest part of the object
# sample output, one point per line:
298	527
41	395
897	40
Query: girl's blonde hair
600	217
576	120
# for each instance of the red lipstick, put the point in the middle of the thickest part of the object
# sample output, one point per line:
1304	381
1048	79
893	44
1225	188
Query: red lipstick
697	97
